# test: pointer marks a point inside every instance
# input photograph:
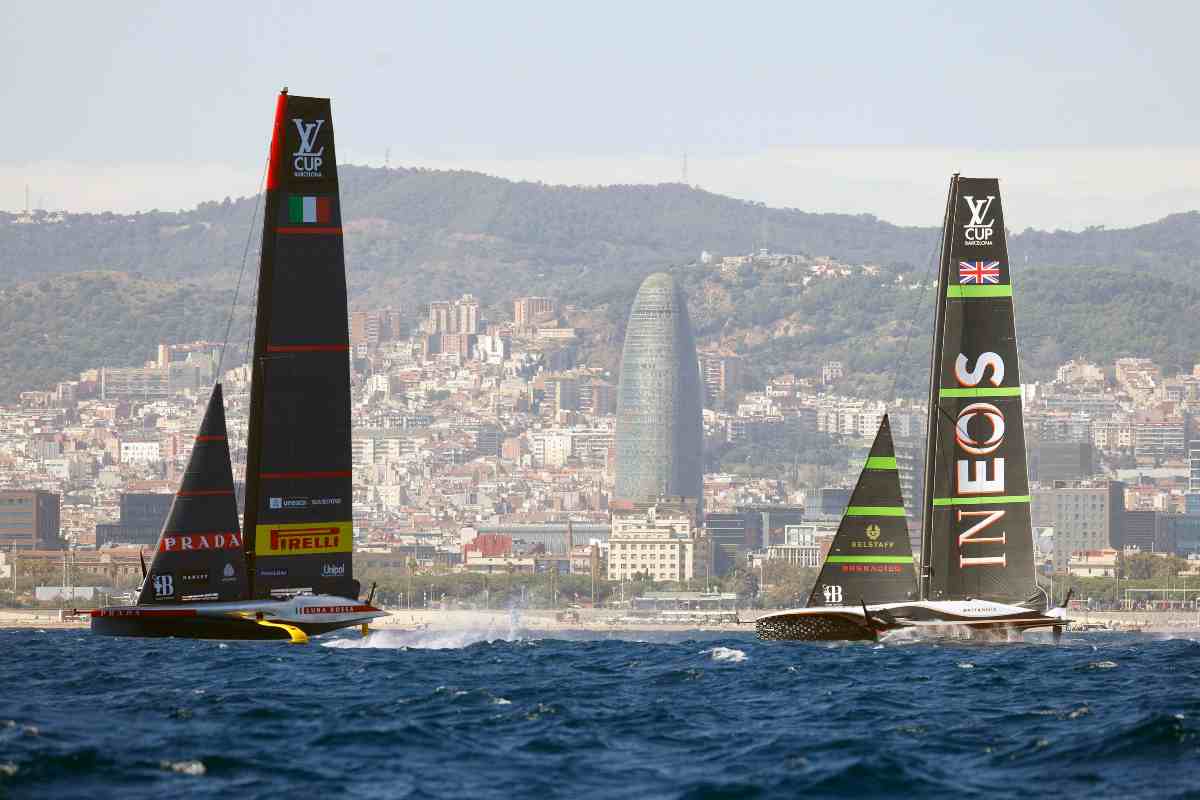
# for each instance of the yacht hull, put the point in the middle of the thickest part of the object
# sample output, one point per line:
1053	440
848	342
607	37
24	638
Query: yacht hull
250	620
966	619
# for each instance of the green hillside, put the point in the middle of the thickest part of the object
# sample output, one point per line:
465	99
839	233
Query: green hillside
416	235
54	328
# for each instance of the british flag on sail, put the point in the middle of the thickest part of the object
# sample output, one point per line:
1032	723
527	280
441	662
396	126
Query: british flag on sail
979	272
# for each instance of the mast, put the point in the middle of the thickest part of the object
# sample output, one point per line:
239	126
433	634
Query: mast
262	321
935	360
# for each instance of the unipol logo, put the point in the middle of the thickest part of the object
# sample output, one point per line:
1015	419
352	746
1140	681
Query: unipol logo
164	585
978	232
306	162
833	595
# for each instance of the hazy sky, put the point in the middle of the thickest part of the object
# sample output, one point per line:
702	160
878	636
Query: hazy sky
1087	111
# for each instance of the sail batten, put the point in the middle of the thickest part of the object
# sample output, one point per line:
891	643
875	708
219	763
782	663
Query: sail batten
299	529
977	538
870	559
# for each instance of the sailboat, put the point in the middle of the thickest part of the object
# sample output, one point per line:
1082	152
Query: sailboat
977	568
287	573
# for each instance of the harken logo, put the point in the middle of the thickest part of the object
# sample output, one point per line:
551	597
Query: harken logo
164	585
229	573
306	163
978	232
833	595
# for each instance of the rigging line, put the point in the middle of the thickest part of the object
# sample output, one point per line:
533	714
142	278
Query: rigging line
912	319
245	255
250	351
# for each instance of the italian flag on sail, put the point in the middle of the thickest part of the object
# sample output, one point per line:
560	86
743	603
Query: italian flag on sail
312	210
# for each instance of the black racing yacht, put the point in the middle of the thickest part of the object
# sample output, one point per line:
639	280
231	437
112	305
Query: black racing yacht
287	572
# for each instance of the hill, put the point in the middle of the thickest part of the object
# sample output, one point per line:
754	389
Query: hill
415	235
54	328
880	327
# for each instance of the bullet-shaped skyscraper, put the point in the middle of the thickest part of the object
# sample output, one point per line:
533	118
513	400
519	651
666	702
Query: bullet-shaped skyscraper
660	435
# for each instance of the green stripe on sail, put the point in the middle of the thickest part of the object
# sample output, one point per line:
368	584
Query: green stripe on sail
981	391
980	501
869	560
295	208
960	292
875	511
880	462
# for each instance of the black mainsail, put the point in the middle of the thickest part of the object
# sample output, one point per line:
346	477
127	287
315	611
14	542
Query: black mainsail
298	527
977	540
199	556
870	559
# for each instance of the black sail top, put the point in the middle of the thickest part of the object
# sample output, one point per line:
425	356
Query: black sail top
977	538
299	535
199	556
870	560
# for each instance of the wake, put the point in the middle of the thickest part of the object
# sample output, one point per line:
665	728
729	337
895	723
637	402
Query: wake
430	639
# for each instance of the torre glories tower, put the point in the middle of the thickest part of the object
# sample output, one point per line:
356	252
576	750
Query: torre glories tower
660	434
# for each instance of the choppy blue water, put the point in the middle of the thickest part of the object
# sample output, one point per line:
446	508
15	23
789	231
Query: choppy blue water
431	714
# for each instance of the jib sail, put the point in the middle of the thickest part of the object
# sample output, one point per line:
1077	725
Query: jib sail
199	556
870	560
977	540
298	475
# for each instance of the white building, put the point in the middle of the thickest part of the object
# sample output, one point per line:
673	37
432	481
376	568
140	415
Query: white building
139	452
660	541
802	545
551	448
1094	563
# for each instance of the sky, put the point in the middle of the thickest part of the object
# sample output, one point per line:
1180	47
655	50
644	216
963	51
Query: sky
1084	110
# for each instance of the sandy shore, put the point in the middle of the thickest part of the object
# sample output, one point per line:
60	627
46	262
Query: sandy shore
39	618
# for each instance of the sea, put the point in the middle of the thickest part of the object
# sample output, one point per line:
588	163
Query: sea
507	714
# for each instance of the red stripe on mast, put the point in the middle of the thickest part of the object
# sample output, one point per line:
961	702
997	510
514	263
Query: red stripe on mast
308	348
281	476
308	229
276	142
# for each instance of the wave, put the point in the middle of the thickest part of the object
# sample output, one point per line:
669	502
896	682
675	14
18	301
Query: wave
430	639
725	654
193	768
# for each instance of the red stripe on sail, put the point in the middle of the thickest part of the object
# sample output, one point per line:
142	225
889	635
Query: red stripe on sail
278	476
204	493
309	230
324	210
308	348
276	142
210	438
